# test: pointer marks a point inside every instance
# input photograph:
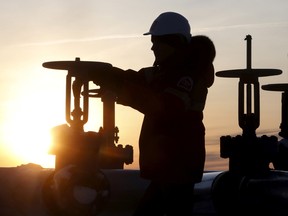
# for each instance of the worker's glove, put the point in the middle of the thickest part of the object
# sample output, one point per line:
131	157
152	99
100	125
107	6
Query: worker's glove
110	78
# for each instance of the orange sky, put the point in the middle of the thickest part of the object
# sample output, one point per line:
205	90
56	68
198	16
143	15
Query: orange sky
33	32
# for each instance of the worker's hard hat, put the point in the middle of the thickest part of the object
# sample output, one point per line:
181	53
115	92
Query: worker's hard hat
170	23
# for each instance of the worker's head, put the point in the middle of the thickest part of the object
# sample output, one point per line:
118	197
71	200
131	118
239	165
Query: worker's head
170	23
170	32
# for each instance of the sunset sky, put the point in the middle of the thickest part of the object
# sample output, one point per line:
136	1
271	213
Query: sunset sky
32	98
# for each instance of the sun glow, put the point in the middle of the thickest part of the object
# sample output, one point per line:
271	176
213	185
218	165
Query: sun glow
33	148
26	129
29	140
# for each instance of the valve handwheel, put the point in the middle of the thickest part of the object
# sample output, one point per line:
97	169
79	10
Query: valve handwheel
253	72
276	87
77	67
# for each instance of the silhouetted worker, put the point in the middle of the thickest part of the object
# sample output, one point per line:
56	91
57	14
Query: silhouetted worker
171	94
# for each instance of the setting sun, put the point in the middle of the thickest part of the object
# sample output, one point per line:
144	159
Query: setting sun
26	132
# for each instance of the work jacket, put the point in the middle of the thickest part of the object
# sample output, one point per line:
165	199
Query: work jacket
172	139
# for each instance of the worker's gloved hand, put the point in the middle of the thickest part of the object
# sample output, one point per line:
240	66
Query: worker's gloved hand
110	78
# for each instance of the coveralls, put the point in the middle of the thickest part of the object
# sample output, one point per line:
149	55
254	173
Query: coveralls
172	138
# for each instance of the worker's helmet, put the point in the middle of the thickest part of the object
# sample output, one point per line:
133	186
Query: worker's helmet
170	23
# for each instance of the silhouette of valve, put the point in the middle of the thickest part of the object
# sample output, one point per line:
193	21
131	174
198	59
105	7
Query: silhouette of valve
71	144
247	153
281	161
77	81
248	119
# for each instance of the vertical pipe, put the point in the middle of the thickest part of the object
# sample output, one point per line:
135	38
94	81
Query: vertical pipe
109	117
68	99
248	62
241	115
249	51
284	118
85	102
248	99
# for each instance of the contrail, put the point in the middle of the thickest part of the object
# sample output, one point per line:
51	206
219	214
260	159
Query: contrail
253	25
109	37
80	40
120	36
